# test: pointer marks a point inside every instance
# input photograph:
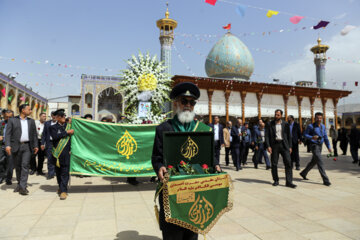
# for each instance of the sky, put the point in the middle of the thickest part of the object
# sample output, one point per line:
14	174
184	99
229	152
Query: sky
48	44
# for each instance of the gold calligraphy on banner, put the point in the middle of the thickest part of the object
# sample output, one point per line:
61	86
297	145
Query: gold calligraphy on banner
198	184
126	145
189	149
201	211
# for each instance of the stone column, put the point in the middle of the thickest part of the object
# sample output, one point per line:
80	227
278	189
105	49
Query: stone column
312	100
259	97
335	102
16	110
210	94
286	99
323	101
227	96
299	100
243	96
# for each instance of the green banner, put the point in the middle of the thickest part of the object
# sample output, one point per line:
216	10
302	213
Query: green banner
110	149
196	202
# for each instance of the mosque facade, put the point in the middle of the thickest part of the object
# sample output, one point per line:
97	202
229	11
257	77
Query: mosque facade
227	91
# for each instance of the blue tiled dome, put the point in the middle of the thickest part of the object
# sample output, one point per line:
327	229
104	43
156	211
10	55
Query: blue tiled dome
229	58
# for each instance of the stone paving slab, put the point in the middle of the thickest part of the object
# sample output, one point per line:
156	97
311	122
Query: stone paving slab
109	208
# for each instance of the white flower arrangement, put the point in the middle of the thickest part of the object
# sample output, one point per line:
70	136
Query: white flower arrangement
145	80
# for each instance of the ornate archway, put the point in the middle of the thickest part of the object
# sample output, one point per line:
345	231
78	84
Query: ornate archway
110	100
11	100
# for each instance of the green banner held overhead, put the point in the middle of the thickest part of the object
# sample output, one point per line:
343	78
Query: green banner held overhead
110	149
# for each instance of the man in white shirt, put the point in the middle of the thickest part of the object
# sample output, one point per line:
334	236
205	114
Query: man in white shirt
41	153
218	137
20	142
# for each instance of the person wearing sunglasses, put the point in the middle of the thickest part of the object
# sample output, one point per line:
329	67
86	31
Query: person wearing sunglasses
184	96
61	133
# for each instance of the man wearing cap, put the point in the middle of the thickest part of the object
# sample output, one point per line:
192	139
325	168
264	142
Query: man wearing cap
47	144
20	142
60	133
184	96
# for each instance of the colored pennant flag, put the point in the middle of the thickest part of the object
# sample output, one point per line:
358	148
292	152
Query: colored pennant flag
270	13
22	98
344	84
296	19
10	98
211	2
228	27
347	29
241	9
356	84
321	24
3	91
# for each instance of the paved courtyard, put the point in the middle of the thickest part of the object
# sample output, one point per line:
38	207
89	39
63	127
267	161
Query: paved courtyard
108	208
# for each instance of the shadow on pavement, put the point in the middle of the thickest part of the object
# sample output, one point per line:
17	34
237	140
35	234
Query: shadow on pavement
102	188
134	235
249	180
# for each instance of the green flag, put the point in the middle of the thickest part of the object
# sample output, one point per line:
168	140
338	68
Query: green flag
10	98
110	149
196	202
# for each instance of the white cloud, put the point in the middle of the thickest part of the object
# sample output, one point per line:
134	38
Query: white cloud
341	16
341	47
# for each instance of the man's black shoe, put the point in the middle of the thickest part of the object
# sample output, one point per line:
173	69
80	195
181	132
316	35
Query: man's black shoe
303	176
8	182
336	155
49	177
255	166
17	188
355	161
227	164
344	154
327	184
132	181
40	173
291	185
23	192
153	179
298	168
261	162
32	172
276	183
27	191
1	180
268	167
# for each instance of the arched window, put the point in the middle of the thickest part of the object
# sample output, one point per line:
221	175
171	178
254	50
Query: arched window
75	109
88	100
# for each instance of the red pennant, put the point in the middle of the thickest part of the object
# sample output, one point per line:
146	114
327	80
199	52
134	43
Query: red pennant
228	27
356	84
211	2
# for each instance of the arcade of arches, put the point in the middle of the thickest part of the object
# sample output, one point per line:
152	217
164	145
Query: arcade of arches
13	94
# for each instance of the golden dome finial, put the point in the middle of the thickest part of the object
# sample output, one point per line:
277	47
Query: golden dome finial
319	41
167	10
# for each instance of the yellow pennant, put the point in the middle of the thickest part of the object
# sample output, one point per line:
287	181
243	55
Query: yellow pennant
270	13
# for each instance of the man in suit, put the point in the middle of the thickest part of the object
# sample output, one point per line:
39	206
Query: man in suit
278	141
260	148
344	141
20	142
354	143
316	134
184	96
333	133
236	144
218	136
47	144
247	141
227	141
295	133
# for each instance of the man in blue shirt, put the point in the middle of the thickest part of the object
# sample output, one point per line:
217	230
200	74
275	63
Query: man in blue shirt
316	134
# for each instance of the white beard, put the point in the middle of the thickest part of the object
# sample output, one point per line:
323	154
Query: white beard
185	116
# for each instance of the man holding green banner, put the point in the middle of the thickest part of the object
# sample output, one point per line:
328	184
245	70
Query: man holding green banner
184	96
60	133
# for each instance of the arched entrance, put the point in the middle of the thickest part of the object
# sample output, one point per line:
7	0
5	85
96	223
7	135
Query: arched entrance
110	101
11	100
75	110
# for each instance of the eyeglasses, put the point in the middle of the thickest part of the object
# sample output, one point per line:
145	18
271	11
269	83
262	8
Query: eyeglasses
184	102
